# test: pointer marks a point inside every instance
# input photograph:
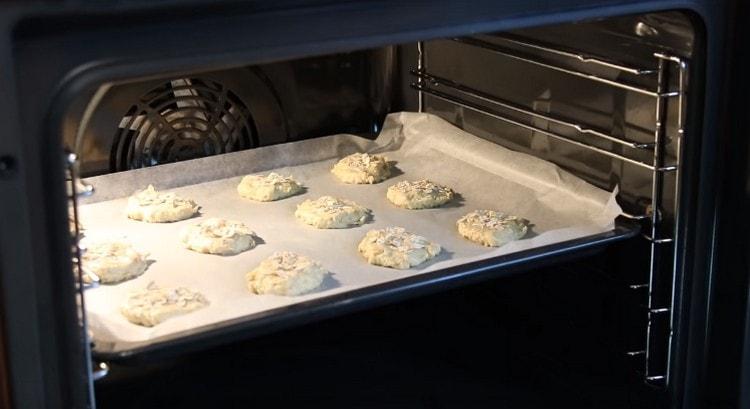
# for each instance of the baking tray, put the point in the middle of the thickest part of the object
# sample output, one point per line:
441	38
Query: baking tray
568	217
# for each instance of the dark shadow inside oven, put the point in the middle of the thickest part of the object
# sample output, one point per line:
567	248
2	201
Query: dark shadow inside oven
552	338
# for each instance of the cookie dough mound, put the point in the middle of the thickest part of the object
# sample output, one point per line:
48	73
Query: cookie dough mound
328	212
152	305
421	194
361	168
490	228
286	273
218	236
151	206
267	188
112	261
397	248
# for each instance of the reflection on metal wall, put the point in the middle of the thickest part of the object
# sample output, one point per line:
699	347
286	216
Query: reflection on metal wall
146	123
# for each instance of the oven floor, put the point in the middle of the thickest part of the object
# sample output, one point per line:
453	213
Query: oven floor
548	339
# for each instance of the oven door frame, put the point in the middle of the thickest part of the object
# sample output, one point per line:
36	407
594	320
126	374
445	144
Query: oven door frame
726	356
36	294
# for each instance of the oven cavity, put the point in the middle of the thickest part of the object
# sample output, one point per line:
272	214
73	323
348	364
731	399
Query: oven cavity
573	134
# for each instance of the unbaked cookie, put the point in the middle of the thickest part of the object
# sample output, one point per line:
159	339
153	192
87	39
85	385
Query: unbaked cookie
112	261
218	236
490	228
360	168
267	188
421	194
286	273
151	206
395	247
328	212
152	305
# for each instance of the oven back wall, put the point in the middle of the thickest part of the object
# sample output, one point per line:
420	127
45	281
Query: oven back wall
258	105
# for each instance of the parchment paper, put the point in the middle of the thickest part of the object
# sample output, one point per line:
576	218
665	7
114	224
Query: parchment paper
560	206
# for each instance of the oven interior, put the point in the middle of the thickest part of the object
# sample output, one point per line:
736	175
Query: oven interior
605	100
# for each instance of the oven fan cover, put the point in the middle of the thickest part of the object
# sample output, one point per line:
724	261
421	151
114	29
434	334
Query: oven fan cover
182	119
142	124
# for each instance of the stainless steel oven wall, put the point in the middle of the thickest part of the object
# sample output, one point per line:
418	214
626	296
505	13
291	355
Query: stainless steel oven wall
588	83
631	40
136	124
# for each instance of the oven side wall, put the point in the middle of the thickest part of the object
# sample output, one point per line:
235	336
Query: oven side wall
47	51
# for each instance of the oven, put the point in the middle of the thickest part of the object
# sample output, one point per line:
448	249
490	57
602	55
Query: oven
610	128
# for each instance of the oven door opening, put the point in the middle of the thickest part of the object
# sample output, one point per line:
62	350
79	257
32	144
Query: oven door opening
469	216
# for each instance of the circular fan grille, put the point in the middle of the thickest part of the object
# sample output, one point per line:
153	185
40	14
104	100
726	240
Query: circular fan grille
182	119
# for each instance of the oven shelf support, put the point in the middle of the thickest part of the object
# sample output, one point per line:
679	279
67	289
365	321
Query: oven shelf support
661	234
576	55
499	116
76	188
420	68
682	72
519	56
436	81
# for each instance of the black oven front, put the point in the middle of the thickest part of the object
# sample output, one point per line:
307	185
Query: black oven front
587	98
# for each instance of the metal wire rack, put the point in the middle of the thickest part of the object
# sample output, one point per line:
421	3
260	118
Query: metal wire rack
659	233
75	189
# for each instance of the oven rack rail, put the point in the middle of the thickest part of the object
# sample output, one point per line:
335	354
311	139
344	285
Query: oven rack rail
660	234
77	188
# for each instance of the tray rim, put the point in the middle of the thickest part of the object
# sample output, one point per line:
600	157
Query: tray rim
306	312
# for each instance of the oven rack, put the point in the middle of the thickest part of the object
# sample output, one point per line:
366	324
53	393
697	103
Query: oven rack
77	188
661	235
